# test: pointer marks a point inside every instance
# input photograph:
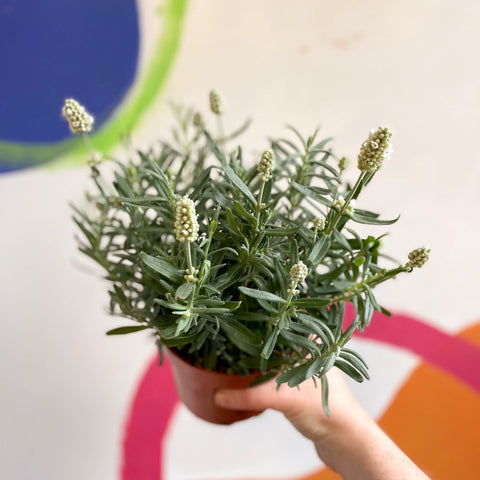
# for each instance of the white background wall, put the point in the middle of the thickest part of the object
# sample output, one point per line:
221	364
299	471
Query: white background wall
346	66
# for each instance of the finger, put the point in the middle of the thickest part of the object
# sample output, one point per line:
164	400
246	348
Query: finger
255	398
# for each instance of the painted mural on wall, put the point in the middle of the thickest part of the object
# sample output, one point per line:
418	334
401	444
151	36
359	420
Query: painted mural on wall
53	50
89	50
442	386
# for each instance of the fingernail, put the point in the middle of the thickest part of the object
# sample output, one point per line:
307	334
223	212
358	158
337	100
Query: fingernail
221	399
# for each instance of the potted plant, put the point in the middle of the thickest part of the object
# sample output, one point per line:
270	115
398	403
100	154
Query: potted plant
238	268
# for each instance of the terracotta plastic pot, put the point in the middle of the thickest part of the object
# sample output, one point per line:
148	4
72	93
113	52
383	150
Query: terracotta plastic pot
196	388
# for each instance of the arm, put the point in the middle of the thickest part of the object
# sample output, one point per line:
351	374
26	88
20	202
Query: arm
349	442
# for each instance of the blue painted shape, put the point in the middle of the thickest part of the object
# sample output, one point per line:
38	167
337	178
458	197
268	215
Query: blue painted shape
54	49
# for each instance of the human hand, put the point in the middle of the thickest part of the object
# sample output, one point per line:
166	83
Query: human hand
301	406
349	441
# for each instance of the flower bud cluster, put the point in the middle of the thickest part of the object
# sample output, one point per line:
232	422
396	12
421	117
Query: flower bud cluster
298	274
343	163
265	166
417	258
186	224
339	205
197	120
79	120
376	149
319	224
216	103
191	275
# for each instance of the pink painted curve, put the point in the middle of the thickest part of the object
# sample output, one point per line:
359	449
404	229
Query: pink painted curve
156	397
453	355
147	422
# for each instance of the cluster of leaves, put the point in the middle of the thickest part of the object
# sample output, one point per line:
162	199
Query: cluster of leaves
238	317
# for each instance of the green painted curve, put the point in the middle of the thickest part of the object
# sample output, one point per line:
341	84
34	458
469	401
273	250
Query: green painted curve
144	92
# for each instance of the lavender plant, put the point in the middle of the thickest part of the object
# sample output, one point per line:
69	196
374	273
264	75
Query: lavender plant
240	268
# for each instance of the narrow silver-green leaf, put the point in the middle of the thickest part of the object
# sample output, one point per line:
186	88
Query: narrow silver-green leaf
125	330
320	249
184	291
241	336
326	408
162	267
260	294
360	218
229	172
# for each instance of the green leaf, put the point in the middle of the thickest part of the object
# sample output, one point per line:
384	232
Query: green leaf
356	361
370	220
260	294
293	252
125	330
179	341
230	277
270	343
311	302
320	249
300	341
317	327
326	408
241	336
229	172
210	311
309	192
340	238
170	305
262	379
252	317
89	235
268	307
315	367
184	291
162	267
282	231
295	376
347	368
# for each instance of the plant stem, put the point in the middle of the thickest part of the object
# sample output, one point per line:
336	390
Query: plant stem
188	254
180	170
371	282
350	196
88	144
285	305
259	204
209	241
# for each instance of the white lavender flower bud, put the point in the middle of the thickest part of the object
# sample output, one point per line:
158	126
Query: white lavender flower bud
343	163
190	275
186	224
216	103
79	120
318	224
339	203
417	258
197	119
376	149
298	273
265	166
351	207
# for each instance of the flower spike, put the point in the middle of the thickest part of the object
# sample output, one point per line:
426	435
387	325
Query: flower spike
186	224
216	103
375	150
418	258
79	120
265	166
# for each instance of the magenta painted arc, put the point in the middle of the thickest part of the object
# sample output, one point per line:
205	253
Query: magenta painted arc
156	397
